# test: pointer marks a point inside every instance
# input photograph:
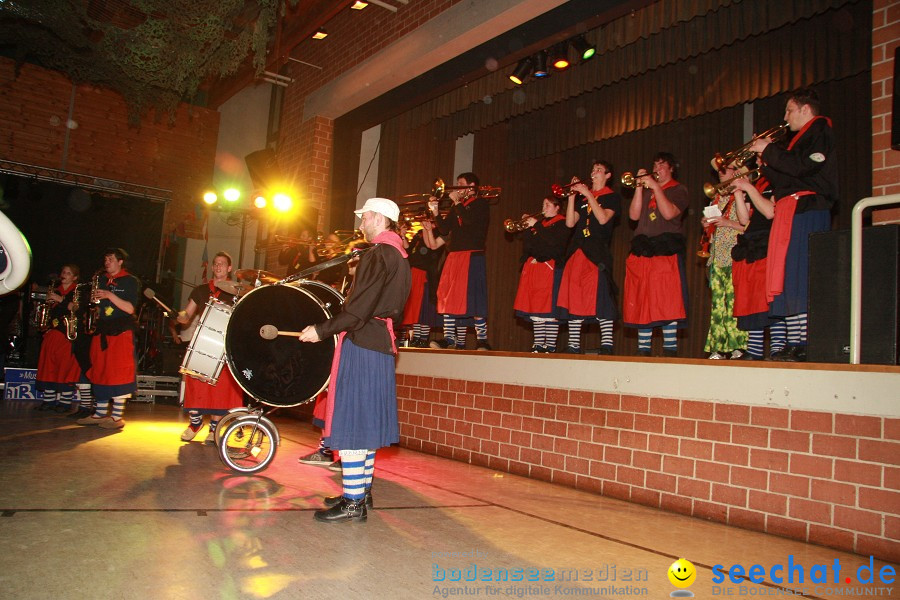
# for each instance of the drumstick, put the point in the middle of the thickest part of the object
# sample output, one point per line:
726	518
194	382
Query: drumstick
270	332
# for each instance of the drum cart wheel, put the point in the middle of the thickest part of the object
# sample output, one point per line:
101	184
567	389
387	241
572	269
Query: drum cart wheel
249	442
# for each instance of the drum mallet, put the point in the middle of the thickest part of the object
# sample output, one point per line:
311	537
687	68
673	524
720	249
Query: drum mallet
270	332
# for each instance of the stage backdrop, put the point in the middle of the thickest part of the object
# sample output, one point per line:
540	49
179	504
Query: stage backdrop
65	224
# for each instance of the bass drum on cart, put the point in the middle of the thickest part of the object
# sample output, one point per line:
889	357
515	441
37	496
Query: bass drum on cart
283	371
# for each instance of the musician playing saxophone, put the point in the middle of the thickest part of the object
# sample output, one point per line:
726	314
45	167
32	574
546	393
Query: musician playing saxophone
58	371
113	371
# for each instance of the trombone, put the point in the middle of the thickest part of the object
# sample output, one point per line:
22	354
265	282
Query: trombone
439	189
346	239
737	158
630	180
725	187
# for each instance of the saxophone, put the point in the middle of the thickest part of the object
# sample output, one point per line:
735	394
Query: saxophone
93	313
71	320
42	310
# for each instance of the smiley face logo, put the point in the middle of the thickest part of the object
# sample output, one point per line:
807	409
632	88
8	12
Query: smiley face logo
682	573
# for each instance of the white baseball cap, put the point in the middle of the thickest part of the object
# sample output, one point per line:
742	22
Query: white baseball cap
383	206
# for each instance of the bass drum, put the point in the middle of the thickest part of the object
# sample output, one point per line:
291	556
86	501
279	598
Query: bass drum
284	371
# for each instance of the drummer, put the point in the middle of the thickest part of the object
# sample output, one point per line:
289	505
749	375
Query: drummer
201	398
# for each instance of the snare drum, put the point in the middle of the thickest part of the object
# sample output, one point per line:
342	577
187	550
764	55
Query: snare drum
284	371
205	356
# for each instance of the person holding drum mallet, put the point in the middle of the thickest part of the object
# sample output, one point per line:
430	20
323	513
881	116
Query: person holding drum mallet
361	409
201	398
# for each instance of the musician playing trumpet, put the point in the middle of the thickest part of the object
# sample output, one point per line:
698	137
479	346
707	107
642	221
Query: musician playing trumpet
586	290
462	290
655	280
804	177
724	339
543	253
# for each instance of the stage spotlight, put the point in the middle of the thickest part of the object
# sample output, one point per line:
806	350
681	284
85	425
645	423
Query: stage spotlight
210	198
320	34
282	202
232	194
521	72
260	201
359	5
584	50
559	56
540	64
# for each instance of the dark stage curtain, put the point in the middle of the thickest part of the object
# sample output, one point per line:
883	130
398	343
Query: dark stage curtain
676	77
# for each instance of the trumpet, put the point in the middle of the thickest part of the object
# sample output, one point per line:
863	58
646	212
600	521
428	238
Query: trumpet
560	190
725	187
517	225
629	179
737	158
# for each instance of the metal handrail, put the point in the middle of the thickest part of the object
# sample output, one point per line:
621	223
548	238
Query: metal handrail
856	268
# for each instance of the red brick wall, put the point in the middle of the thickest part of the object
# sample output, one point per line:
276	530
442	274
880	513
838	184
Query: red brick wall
885	38
829	479
178	156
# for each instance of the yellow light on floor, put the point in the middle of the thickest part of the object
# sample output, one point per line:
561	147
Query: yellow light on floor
359	5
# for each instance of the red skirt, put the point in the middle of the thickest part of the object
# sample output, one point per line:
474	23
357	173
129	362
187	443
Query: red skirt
116	364
452	292
56	363
578	291
201	396
749	287
413	307
535	293
653	291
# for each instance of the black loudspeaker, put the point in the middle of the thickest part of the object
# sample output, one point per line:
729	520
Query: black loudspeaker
829	296
263	168
895	109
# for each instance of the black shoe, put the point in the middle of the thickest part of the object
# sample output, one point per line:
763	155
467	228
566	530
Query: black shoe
670	353
482	345
80	413
330	501
344	510
782	355
748	356
605	351
443	344
62	408
800	353
574	350
538	349
44	406
644	353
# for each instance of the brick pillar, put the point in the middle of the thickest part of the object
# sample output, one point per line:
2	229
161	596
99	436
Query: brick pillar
885	38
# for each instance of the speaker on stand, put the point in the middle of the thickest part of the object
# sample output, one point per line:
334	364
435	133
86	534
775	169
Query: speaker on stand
829	296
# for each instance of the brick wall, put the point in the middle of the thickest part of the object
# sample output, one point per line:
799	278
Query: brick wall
34	110
885	38
826	478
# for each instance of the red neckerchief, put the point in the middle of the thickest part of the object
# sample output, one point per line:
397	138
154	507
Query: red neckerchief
110	280
652	204
213	290
63	291
552	220
391	239
466	204
805	127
